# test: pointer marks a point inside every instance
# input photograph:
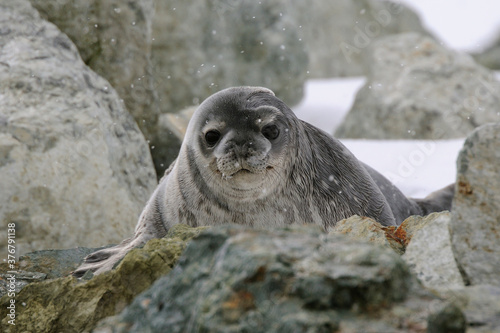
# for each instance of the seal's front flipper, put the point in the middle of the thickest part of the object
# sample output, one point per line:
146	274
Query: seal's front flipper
104	260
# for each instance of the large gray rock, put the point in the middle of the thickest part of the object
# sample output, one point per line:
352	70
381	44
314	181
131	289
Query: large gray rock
430	255
481	306
205	46
235	279
419	89
114	39
74	167
475	226
337	34
171	130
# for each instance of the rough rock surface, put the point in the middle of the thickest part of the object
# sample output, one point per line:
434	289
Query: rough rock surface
418	89
53	263
114	39
41	265
364	228
21	279
407	229
171	130
397	238
74	167
430	255
68	305
447	318
200	48
475	225
481	306
337	34
232	279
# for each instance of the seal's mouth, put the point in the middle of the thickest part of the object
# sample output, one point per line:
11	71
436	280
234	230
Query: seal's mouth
242	172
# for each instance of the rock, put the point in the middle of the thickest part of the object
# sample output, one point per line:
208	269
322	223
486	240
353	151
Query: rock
490	57
366	229
74	167
235	279
397	238
171	130
417	89
53	263
40	265
430	256
114	39
68	305
481	306
212	45
449	319
475	224
19	279
337	34
411	225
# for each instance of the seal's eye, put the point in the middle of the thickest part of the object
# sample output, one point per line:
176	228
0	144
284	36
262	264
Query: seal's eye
271	132
212	137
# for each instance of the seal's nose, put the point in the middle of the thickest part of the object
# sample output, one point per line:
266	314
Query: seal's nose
237	143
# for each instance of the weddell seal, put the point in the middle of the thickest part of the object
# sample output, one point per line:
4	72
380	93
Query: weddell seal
247	159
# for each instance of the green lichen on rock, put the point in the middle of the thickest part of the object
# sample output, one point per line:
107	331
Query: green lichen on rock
69	305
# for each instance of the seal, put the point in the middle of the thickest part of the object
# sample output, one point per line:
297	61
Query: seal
247	159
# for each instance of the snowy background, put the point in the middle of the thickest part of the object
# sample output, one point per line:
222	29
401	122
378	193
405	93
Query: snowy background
416	167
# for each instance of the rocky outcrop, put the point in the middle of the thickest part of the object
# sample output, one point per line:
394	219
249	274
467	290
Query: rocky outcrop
430	255
74	167
114	39
480	305
203	47
229	40
418	89
424	242
337	34
68	305
171	130
363	228
475	225
236	279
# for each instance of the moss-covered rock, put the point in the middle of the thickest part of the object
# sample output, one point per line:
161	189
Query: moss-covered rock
236	279
69	305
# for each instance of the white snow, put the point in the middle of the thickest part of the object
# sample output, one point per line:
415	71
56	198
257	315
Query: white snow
416	167
326	102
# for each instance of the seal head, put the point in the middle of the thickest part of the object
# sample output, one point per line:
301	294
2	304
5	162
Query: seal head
239	147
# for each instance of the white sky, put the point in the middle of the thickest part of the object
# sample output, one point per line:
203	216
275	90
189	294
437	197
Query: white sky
466	25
